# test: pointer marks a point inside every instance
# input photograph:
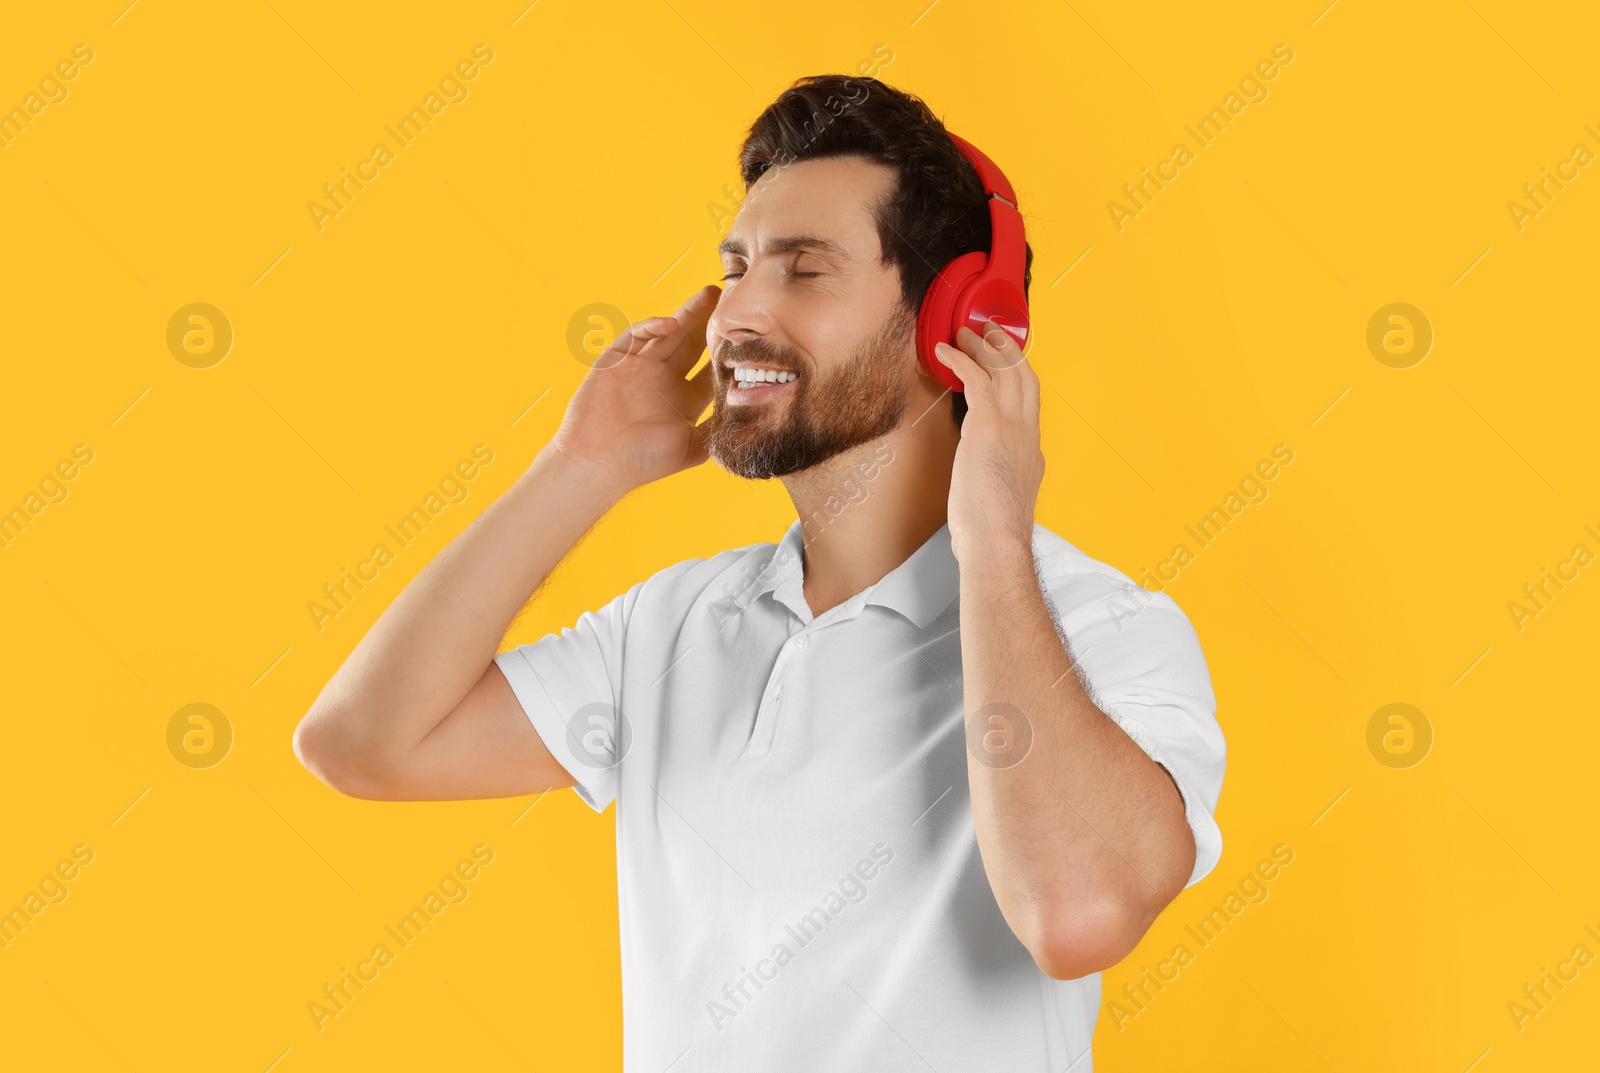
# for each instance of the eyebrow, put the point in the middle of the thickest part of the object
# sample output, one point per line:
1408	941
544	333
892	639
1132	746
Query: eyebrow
791	244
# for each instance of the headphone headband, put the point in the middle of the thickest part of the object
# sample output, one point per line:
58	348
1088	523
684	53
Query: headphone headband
978	287
993	179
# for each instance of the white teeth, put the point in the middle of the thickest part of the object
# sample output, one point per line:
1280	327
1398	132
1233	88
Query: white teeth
744	375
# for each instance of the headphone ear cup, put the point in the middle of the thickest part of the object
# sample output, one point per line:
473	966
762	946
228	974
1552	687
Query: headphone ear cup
936	320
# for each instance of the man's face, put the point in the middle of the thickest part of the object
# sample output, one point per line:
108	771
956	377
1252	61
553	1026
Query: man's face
807	297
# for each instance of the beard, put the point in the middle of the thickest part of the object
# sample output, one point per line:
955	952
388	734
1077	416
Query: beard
861	400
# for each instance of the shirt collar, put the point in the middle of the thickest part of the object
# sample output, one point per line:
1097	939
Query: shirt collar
919	588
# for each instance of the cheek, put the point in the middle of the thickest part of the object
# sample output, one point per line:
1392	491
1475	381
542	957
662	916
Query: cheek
831	332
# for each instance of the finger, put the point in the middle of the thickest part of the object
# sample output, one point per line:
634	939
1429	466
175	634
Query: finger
657	336
699	446
1010	350
971	344
1031	390
710	292
665	338
1003	382
633	339
662	337
1008	364
692	320
975	380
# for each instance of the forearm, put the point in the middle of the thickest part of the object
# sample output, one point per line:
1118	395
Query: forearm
433	643
1083	839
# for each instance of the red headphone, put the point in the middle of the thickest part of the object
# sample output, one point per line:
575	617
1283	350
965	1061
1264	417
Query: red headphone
978	287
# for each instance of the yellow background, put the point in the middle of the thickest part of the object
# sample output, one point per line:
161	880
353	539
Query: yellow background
432	312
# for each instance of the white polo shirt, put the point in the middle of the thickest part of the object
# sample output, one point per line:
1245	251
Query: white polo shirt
799	880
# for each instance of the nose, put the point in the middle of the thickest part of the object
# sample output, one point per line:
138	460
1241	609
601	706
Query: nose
744	312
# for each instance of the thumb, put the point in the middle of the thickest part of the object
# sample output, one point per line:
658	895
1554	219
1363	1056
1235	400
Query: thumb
698	448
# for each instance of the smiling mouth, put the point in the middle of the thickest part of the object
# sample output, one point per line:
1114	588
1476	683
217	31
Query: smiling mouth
756	385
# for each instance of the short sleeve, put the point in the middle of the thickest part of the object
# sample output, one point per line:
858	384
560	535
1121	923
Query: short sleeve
569	684
1145	669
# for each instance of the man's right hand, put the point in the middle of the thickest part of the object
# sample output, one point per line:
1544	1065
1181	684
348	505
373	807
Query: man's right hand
420	710
633	419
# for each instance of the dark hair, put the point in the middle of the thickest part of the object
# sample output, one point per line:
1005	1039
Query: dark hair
937	210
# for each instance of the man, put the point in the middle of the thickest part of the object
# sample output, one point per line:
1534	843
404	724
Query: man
891	791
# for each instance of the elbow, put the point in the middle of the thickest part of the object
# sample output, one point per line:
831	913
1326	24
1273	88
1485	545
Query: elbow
1071	944
1073	937
325	752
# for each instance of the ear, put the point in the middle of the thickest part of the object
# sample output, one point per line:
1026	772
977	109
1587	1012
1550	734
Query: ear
908	350
922	370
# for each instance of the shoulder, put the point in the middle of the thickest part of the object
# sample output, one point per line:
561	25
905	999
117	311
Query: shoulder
1075	578
1098	606
676	589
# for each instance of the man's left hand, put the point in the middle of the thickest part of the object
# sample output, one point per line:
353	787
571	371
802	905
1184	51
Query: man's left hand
999	465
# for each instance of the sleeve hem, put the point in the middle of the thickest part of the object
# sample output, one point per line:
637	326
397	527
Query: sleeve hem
1202	824
596	787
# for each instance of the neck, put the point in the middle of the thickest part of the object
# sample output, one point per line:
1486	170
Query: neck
866	510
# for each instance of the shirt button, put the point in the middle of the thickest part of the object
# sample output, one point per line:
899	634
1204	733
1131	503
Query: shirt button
802	640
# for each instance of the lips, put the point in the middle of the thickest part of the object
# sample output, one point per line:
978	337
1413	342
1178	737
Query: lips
762	390
743	396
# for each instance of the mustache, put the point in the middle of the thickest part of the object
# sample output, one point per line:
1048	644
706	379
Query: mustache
759	351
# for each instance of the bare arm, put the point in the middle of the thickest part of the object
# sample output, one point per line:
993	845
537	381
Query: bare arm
419	710
1083	836
1084	839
